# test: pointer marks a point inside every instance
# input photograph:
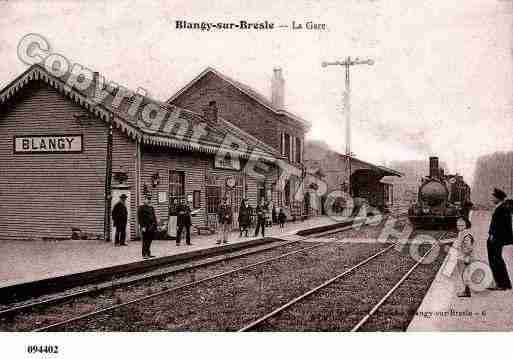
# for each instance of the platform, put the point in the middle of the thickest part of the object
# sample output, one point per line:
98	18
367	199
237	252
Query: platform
27	261
442	310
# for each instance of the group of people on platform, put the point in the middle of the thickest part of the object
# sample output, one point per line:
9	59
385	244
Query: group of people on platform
265	215
180	220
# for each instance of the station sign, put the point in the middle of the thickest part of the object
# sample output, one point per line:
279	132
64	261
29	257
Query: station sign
48	144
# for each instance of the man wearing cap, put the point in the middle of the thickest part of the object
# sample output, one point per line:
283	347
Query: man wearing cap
148	225
225	220
119	219
499	235
184	222
261	210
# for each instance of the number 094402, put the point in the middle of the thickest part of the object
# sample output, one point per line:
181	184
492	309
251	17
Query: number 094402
43	349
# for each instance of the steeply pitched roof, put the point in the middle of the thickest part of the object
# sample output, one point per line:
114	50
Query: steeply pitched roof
176	129
249	91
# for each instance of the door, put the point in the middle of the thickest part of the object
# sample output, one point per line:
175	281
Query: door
116	193
235	197
176	195
213	198
176	186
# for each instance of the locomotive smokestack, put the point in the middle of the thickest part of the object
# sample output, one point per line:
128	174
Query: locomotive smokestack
433	167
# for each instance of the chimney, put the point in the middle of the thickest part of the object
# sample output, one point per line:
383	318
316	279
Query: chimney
210	112
278	89
433	167
94	81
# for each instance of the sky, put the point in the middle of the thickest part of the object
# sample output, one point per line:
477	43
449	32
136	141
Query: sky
441	84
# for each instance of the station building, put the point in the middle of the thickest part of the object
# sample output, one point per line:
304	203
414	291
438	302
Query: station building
265	118
66	157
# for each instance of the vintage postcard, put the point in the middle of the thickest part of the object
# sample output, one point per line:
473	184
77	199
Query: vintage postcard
243	166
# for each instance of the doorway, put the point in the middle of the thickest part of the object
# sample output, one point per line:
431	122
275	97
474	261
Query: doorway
116	193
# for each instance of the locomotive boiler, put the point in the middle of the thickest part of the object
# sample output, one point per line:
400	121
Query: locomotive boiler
442	199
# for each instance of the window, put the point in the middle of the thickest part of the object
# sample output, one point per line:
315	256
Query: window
298	150
276	197
260	191
287	146
213	194
237	193
176	185
196	199
287	193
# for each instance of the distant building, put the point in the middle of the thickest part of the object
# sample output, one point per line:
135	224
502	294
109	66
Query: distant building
366	178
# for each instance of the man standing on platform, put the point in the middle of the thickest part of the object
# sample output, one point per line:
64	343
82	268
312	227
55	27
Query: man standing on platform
499	235
172	224
148	225
244	216
225	217
184	221
120	219
261	211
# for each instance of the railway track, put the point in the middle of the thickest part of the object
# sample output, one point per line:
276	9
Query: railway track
110	316
119	281
213	302
96	290
331	292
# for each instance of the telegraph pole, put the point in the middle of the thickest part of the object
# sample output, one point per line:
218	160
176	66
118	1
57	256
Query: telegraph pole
347	63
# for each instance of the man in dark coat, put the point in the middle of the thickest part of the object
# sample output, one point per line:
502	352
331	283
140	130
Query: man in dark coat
120	219
499	235
261	211
244	216
225	217
148	225
184	221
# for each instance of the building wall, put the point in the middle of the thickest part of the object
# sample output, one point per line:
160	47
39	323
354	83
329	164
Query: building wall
240	109
334	167
197	167
124	158
162	161
45	195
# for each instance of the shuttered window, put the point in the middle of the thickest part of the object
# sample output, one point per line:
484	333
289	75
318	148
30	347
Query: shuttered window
292	149
287	193
287	146
213	197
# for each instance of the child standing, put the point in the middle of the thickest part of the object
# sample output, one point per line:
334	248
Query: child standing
282	217
464	245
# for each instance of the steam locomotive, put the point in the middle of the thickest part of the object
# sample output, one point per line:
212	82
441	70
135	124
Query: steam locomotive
442	199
